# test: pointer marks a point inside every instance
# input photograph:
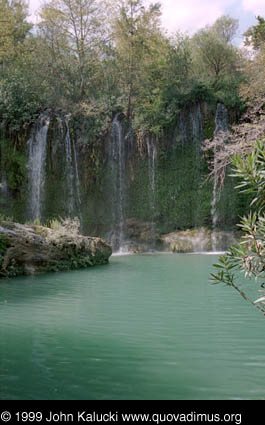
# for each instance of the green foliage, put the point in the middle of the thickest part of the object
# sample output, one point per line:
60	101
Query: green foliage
217	62
209	127
255	36
15	165
62	227
249	255
70	31
19	102
13	29
96	57
182	201
3	247
20	93
3	244
4	218
137	43
251	172
55	224
227	92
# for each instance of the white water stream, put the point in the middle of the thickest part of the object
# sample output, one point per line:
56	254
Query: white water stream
36	165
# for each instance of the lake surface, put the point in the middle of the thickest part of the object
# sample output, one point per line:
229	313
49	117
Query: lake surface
142	327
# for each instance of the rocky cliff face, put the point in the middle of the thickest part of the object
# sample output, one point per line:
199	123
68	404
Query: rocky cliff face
37	249
121	178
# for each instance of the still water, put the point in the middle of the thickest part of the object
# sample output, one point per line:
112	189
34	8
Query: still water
142	327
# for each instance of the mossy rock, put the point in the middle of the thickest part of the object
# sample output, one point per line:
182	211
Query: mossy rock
30	250
182	246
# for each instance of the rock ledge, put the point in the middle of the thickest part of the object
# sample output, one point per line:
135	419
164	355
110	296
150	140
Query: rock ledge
34	249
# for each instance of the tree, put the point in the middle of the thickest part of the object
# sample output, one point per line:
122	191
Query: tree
70	32
213	53
253	90
251	124
255	35
14	28
18	93
249	255
134	33
166	83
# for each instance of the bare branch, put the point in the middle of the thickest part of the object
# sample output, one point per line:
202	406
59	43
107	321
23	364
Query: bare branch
240	140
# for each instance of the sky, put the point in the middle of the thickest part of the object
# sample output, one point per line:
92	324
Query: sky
191	15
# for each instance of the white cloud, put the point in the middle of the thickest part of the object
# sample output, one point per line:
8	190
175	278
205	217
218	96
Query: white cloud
255	6
34	5
190	15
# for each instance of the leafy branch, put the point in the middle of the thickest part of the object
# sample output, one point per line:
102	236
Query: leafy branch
249	255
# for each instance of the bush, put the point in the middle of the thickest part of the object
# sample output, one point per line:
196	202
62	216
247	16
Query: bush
249	255
15	164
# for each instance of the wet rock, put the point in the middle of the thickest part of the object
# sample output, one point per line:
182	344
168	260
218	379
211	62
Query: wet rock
142	234
197	240
36	249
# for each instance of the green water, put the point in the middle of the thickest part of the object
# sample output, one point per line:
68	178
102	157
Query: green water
142	327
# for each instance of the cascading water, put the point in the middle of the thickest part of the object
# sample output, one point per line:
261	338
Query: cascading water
197	126
117	158
221	126
3	186
77	181
73	182
71	171
152	154
182	131
36	165
197	137
4	193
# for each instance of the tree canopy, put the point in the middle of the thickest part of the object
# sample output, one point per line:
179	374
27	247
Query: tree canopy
97	57
255	35
14	27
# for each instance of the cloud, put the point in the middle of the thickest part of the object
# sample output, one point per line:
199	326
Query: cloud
190	15
34	5
255	6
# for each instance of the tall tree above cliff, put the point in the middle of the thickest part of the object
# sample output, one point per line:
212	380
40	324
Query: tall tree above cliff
255	35
13	27
18	98
254	90
135	31
213	53
70	30
251	126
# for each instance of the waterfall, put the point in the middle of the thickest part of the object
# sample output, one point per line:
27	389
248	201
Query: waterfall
71	171
197	137
117	157
182	131
36	165
197	126
4	198
152	154
3	186
77	181
221	125
73	182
